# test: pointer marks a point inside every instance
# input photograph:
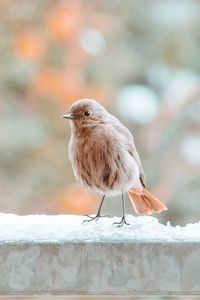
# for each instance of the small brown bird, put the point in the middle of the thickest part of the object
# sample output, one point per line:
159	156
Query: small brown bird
104	158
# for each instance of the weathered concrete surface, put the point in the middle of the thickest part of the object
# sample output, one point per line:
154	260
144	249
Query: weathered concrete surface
100	268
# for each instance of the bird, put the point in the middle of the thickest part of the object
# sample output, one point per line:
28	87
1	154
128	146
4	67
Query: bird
104	158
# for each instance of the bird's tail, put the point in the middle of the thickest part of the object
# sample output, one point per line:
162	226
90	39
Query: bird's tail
144	202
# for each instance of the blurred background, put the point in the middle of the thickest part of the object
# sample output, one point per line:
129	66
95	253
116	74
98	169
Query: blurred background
139	58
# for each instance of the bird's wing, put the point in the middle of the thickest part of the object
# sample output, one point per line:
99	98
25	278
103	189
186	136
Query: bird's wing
129	141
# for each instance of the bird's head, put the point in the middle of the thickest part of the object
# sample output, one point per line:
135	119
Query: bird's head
86	112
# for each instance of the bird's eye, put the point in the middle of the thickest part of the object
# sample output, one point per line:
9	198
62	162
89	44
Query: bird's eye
87	113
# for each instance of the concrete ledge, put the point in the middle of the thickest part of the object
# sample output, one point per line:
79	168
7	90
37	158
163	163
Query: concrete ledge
131	267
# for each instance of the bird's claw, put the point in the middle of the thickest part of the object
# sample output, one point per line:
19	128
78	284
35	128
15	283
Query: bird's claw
121	223
96	218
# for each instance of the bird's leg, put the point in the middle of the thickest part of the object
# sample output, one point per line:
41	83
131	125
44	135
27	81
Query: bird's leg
123	220
98	215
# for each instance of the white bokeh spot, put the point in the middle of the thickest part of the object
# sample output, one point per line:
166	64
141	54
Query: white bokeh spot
138	103
92	41
190	149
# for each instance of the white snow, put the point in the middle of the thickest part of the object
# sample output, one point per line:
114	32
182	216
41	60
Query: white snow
65	228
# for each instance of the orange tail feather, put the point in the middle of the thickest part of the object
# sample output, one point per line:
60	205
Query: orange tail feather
144	202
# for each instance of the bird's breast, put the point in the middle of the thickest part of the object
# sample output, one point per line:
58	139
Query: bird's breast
100	164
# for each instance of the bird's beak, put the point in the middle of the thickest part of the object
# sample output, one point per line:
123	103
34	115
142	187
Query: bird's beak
69	116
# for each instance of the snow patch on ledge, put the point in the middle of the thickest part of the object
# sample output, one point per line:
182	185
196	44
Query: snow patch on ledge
69	228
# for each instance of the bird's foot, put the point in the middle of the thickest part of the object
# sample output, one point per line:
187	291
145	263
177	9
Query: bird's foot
121	223
96	218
